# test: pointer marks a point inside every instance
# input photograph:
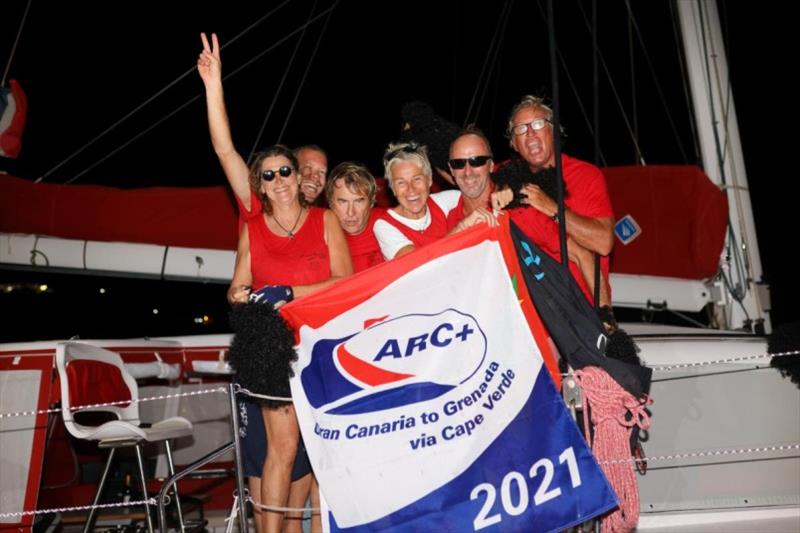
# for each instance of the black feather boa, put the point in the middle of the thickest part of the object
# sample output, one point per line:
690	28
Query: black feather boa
786	338
431	130
516	173
262	351
621	346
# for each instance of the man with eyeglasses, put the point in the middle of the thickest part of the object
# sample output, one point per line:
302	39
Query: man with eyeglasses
589	217
470	165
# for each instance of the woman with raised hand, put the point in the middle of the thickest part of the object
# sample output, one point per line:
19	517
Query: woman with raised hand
286	249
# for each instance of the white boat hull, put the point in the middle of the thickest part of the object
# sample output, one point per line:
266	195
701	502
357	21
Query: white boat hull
716	436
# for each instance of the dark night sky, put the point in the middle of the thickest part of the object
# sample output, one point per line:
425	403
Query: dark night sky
86	65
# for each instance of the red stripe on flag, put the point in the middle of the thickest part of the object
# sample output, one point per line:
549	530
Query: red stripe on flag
371	321
365	372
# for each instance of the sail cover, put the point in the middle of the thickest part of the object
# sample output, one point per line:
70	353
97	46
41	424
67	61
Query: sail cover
193	217
681	214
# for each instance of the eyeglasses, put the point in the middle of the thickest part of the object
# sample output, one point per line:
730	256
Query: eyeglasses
535	125
475	161
410	148
269	175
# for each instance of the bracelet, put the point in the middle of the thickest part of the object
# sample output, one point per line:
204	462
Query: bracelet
554	217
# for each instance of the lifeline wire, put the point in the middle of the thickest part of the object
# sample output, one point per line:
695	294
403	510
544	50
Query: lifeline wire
120	402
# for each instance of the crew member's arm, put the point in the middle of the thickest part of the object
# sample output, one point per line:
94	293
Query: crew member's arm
242	281
595	234
209	66
479	215
391	241
585	259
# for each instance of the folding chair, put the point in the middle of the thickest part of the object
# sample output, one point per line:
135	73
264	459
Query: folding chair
91	375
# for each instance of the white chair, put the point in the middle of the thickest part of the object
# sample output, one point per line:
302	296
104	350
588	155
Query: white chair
92	375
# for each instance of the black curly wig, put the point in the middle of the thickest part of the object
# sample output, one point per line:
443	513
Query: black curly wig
786	338
516	173
427	128
262	351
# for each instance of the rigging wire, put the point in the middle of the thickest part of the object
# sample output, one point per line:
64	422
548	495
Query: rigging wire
632	65
573	86
504	17
196	97
501	20
156	95
684	80
659	89
738	293
16	42
495	99
551	41
308	68
728	98
596	136
614	91
595	89
712	110
280	86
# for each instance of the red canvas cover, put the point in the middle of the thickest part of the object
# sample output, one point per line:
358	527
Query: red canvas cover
197	217
94	382
683	217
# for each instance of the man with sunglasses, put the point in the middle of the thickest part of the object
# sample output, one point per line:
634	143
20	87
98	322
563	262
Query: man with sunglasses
470	165
589	217
421	217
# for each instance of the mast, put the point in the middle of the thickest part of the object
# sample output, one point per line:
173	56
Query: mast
721	148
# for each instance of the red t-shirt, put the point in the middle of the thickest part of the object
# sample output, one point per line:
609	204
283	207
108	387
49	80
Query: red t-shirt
302	259
364	249
587	195
456	214
255	208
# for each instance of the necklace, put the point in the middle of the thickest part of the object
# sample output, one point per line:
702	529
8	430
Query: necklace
290	232
424	222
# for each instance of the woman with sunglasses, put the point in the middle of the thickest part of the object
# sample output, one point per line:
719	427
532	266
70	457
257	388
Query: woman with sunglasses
286	249
420	217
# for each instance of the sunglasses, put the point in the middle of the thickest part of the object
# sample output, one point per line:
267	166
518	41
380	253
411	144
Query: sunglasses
269	175
535	125
411	148
475	161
